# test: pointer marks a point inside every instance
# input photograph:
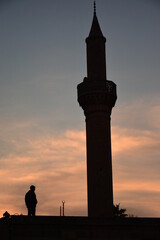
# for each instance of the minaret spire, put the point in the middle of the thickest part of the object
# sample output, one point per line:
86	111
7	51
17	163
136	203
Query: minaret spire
94	8
96	59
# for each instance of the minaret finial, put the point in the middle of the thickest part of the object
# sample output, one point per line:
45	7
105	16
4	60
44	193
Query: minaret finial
94	7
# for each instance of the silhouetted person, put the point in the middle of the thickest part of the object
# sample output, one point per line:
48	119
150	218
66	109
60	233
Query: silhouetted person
31	201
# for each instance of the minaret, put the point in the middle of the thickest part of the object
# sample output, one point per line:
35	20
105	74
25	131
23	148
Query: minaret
97	97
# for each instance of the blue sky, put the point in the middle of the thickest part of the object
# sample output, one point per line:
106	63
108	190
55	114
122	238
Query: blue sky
42	128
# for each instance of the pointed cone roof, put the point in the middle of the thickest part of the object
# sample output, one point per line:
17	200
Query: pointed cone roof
95	28
95	31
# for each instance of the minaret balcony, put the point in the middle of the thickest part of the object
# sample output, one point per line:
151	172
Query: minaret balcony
90	92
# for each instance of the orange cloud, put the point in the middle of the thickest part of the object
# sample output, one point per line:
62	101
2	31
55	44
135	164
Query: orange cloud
53	164
56	164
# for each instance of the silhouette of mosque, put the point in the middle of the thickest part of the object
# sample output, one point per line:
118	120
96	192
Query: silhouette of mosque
97	97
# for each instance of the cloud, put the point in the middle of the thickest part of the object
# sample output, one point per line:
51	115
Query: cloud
136	168
56	164
136	157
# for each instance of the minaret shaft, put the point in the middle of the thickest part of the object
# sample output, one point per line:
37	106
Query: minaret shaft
99	165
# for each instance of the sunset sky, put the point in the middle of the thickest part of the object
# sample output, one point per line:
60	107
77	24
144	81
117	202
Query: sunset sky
42	127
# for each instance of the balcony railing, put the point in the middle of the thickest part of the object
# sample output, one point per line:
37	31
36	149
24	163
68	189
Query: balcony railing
89	87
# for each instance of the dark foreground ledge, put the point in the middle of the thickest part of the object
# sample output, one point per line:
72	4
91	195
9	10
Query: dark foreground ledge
78	228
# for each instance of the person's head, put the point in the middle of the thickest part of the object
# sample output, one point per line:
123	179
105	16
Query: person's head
32	188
